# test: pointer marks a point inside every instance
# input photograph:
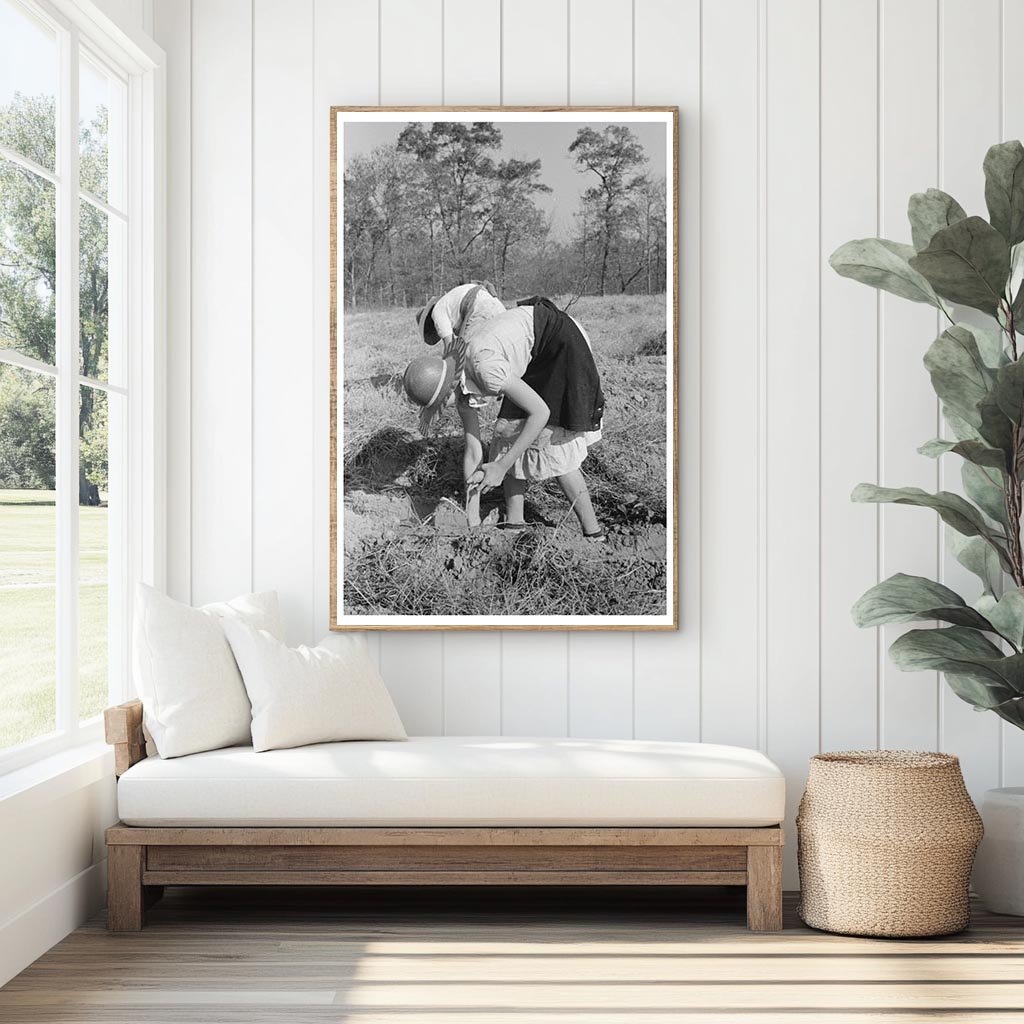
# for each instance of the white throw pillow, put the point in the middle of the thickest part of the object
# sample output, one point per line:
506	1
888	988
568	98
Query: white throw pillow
192	693
309	694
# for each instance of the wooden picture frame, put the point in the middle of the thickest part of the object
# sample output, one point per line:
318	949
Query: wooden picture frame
668	616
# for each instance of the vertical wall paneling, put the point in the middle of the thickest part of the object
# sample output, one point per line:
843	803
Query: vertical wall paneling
472	684
413	668
730	270
667	665
600	52
412	71
535	52
968	125
601	684
221	367
909	413
472	74
1011	112
535	70
849	369
283	339
792	415
411	51
349	30
534	696
472	52
600	72
173	28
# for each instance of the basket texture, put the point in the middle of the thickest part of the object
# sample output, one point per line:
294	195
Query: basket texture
886	841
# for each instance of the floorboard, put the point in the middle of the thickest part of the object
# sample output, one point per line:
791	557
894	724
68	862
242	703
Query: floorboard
218	956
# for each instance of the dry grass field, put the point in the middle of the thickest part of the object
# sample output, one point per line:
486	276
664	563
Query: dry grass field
407	548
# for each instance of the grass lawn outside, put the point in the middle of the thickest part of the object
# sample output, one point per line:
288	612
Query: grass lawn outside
28	613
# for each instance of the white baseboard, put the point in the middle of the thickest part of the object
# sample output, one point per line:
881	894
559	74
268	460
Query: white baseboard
26	937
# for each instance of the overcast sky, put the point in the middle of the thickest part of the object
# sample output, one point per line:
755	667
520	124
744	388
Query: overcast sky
546	141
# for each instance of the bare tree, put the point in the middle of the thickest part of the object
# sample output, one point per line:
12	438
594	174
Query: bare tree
616	157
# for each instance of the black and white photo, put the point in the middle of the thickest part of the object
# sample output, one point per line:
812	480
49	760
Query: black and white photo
504	359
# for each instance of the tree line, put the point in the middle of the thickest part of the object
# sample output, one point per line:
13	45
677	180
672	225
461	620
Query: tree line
439	207
28	287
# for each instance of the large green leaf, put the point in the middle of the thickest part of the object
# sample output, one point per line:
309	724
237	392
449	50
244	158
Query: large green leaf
1017	309
958	372
952	509
996	428
1004	189
903	598
883	264
984	486
982	693
930	212
964	652
1006	614
973	451
990	345
976	555
1011	711
961	429
1015	285
967	263
1009	390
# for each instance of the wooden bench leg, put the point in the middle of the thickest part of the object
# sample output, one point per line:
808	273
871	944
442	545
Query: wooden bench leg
764	888
125	896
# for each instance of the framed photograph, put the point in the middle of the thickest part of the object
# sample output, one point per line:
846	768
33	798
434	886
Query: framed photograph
503	368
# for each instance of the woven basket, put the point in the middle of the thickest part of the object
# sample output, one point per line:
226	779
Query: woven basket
886	840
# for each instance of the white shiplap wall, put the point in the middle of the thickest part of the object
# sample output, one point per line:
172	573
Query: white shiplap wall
804	123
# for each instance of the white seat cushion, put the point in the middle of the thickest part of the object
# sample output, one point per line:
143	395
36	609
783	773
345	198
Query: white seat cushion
458	780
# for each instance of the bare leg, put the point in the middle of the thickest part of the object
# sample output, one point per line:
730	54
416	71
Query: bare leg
472	457
515	499
575	489
473	505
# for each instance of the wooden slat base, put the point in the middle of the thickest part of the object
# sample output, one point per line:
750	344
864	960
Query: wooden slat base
143	860
446	858
573	835
496	877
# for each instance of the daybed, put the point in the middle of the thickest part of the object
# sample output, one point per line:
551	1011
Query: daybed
444	811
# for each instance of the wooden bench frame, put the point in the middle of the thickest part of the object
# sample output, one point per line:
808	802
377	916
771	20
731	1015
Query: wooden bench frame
142	860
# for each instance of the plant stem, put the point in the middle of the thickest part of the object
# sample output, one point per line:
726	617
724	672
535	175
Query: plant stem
1012	496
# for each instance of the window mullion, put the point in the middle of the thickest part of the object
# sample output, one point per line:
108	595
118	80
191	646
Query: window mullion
67	386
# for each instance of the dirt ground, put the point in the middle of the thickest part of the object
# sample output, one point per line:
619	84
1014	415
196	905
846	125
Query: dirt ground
407	546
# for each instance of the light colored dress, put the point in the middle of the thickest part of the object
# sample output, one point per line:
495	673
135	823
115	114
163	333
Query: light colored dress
499	352
447	309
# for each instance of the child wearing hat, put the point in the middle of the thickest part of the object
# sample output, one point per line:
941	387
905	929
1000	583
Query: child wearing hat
458	312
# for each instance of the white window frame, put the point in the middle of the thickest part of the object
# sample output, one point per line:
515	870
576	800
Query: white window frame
140	64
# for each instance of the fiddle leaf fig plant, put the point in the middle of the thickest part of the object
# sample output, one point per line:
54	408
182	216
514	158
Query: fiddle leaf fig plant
977	373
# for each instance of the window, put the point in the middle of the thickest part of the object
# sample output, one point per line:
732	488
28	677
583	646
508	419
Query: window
76	341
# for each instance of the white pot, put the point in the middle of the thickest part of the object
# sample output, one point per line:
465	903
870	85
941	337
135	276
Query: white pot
999	867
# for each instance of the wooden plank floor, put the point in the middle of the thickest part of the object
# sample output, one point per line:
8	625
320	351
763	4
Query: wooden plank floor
219	956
